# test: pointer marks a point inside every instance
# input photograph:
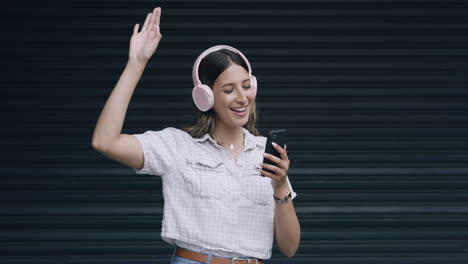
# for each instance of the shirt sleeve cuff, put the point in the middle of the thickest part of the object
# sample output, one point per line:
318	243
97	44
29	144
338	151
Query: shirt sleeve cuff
145	170
293	193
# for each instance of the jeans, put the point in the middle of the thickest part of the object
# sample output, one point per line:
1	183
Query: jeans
180	260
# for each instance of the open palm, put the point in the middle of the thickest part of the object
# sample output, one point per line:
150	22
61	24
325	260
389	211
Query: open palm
143	44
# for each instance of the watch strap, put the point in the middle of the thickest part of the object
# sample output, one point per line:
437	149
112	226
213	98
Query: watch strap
283	200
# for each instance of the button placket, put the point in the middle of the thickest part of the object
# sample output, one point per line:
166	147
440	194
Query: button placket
235	214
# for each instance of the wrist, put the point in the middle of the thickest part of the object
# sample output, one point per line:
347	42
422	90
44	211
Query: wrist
281	191
134	62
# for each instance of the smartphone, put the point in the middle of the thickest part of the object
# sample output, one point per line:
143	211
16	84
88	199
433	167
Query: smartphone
279	137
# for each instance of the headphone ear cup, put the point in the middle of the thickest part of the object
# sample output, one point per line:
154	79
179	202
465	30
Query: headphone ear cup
203	97
253	83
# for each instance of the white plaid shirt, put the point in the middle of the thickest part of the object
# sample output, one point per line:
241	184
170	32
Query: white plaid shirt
212	203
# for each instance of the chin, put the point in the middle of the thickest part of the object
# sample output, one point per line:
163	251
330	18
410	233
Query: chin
242	122
236	122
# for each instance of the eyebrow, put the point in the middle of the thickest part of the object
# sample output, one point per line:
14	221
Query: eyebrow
233	83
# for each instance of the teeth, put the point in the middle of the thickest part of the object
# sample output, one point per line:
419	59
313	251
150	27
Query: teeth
239	109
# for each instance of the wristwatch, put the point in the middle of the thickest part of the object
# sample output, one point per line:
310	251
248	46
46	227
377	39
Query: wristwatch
285	199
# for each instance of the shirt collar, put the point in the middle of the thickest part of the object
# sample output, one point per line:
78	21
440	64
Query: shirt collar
250	140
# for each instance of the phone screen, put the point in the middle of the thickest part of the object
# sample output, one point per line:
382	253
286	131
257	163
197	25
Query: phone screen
279	137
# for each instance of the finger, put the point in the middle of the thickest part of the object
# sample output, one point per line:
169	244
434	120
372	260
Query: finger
155	24
157	18
282	166
135	28
272	158
286	151
281	151
271	168
268	174
153	14
155	28
145	26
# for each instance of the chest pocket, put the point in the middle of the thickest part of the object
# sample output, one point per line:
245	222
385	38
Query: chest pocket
205	176
257	188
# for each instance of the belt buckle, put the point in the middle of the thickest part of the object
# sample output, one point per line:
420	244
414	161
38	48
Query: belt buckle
233	261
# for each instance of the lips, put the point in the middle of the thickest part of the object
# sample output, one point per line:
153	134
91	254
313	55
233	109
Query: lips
240	111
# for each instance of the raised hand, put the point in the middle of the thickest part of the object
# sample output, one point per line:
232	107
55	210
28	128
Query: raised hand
143	44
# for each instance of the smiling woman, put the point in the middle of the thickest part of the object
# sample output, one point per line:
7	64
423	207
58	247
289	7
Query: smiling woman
227	74
217	206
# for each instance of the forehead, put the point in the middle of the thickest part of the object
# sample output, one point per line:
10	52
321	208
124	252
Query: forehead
233	74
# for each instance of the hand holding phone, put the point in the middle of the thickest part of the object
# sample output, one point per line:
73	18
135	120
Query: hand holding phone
279	137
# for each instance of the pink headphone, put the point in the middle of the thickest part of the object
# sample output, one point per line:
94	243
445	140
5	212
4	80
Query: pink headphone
202	94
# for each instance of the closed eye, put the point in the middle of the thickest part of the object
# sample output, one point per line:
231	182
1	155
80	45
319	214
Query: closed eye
229	91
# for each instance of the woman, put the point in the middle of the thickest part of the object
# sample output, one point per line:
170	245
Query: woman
217	206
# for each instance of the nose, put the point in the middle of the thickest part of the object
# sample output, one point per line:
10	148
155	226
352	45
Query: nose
242	96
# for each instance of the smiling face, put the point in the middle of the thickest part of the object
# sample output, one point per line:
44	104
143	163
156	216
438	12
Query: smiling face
233	96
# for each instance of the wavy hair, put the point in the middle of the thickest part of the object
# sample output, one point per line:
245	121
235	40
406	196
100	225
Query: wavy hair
210	68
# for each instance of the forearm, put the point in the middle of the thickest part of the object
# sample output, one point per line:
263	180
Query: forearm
288	230
110	122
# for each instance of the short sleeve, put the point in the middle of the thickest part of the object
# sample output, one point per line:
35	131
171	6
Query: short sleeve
160	150
293	193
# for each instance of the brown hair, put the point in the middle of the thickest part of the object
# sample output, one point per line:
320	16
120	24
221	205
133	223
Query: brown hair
210	68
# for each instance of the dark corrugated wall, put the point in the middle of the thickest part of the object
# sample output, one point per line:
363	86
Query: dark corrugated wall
373	93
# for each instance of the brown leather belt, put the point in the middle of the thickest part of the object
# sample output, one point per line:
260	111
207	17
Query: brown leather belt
214	260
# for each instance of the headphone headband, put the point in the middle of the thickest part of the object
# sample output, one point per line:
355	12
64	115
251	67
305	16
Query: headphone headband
196	80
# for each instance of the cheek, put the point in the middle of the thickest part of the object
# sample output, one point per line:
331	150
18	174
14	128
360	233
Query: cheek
251	100
221	102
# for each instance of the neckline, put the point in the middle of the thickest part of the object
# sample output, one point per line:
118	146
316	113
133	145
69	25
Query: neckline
250	141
